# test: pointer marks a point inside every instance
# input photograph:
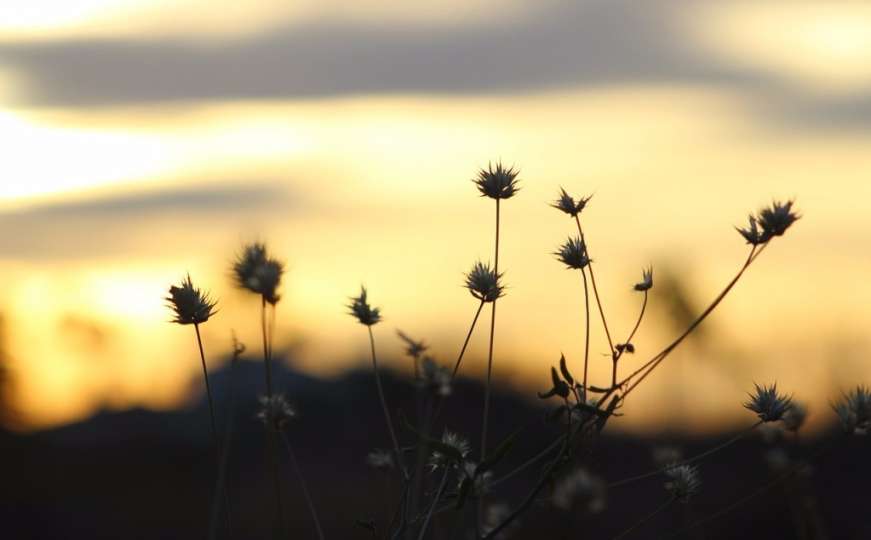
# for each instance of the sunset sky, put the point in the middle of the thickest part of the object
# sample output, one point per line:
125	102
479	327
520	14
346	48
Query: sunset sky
146	139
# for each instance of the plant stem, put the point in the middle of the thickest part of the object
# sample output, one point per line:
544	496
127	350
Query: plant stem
225	455
484	424
215	439
628	341
466	341
305	493
435	501
595	288
270	436
394	440
528	463
587	329
266	355
645	519
693	459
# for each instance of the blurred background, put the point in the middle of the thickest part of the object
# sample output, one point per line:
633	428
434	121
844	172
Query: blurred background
147	139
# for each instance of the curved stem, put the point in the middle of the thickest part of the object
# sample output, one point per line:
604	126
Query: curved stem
595	288
466	341
393	439
528	463
435	501
645	519
295	465
587	329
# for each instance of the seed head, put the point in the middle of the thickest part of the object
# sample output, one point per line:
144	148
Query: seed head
481	482
362	311
566	203
580	489
435	378
768	405
773	221
484	283
573	253
646	282
275	411
458	443
854	411
683	481
380	459
413	348
498	183
191	305
795	416
255	271
751	233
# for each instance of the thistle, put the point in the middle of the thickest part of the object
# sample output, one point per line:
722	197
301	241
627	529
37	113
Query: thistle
751	233
683	481
573	253
275	412
646	282
255	271
360	309
854	411
769	222
484	283
190	304
768	405
566	203
498	183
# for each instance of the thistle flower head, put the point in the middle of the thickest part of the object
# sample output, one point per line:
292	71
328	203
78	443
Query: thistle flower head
455	441
854	411
646	282
255	271
434	377
413	348
380	459
768	405
580	489
566	203
484	283
769	222
190	305
683	481
573	253
362	311
498	183
275	411
795	416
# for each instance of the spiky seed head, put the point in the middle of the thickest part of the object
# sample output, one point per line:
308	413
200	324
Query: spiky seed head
360	309
795	416
775	219
498	183
275	412
566	203
683	481
751	233
190	304
646	282
435	378
768	405
380	459
580	490
573	253
854	411
484	283
254	270
481	482
455	441
413	348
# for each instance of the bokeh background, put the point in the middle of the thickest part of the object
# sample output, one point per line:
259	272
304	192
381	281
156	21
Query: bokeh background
146	139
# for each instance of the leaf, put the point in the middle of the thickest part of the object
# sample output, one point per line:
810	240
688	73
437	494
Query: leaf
565	370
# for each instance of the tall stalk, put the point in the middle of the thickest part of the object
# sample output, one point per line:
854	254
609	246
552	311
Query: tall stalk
385	410
298	472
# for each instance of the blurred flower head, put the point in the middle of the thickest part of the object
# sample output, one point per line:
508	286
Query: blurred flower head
275	412
360	309
795	416
683	481
480	482
454	441
380	459
573	253
484	283
646	282
854	411
566	203
498	183
434	377
255	271
580	490
768	405
190	304
413	348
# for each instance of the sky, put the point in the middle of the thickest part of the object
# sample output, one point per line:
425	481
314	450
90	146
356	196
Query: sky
146	140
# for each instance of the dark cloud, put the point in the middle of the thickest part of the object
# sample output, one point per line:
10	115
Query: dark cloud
588	43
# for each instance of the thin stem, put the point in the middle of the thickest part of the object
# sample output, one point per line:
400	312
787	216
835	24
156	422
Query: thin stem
305	493
266	359
435	501
645	519
466	341
528	463
587	330
270	436
693	459
595	288
394	440
618	354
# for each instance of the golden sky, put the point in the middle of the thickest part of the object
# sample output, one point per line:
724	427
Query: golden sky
145	140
